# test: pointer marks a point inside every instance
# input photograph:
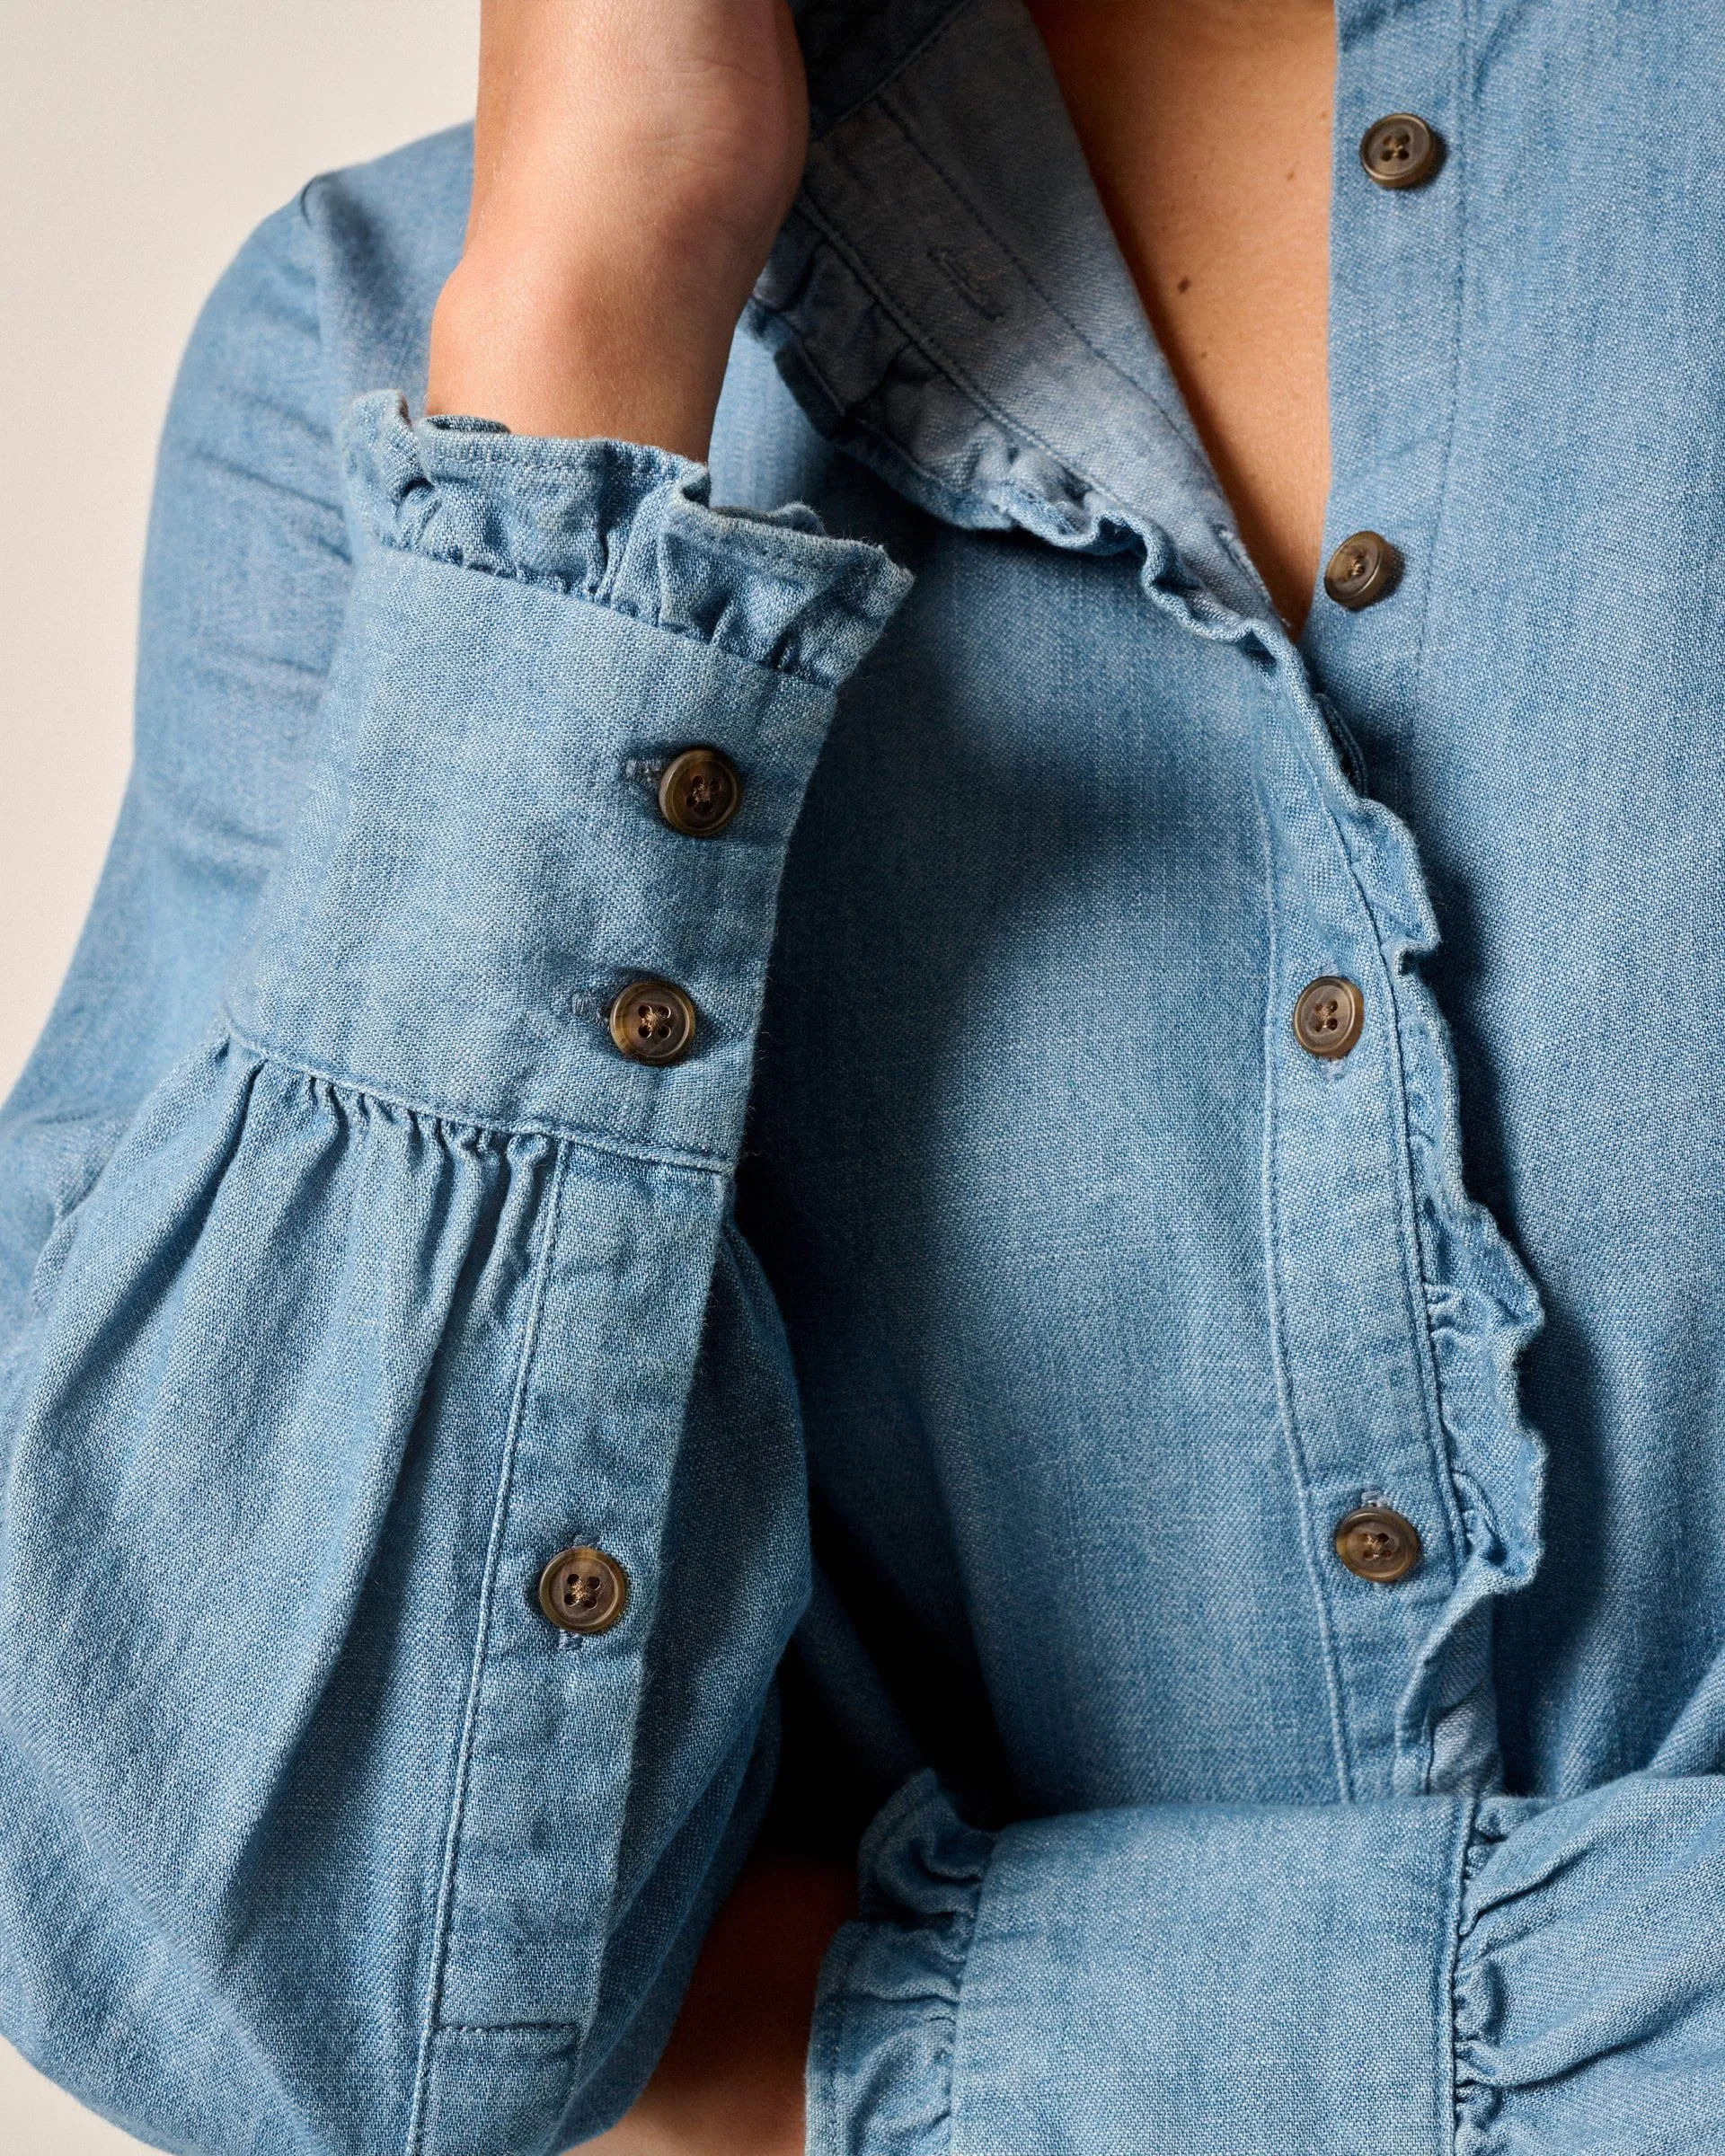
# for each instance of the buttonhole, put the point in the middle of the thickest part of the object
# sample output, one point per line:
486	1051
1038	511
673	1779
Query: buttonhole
958	273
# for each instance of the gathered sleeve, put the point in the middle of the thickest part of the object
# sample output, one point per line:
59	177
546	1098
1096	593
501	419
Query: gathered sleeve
350	1272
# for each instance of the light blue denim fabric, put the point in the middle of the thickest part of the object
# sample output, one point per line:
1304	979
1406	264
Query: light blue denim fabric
970	1349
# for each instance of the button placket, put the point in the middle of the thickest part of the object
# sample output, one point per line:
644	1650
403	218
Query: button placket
1353	1337
1349	1313
581	1565
1400	179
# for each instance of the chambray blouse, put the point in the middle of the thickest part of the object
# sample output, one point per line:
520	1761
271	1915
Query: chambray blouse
967	1351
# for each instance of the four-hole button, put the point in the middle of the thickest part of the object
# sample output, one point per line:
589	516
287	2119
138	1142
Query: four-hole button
583	1590
1378	1544
1328	1016
699	792
652	1022
1401	150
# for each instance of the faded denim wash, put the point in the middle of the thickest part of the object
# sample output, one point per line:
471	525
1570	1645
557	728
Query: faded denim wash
969	1351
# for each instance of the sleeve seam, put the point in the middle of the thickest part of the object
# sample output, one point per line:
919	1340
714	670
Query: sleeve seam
449	1880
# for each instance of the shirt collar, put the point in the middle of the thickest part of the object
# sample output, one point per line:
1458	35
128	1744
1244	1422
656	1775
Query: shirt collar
947	301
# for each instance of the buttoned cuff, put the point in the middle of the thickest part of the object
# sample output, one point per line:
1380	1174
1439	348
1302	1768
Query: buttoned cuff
1215	1980
479	864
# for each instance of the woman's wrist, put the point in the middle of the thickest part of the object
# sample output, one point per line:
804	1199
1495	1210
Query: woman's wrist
585	346
632	161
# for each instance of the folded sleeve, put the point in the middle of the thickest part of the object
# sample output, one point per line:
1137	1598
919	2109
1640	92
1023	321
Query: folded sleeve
1430	1977
351	1274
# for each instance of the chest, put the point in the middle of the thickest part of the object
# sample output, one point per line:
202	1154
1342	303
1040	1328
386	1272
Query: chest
1207	131
1033	979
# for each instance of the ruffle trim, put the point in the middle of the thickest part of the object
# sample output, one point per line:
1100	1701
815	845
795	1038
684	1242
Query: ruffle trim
1588	2009
625	526
1477	1996
1482	1311
880	2056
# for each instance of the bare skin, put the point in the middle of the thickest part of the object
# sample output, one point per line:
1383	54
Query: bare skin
1206	126
633	161
731	2080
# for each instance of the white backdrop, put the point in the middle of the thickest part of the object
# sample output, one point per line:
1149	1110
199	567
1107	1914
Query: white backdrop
141	143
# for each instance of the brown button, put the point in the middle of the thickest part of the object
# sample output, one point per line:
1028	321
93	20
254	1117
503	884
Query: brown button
700	792
1328	1016
1378	1544
653	1021
583	1591
1364	569
1400	150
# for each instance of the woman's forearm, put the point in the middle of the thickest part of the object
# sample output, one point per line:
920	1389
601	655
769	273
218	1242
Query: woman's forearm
633	160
